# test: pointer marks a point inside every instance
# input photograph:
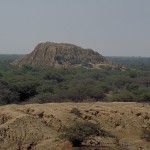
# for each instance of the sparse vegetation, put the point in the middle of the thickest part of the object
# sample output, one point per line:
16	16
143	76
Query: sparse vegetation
80	131
76	111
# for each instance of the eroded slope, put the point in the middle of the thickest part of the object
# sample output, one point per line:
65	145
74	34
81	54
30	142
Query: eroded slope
38	126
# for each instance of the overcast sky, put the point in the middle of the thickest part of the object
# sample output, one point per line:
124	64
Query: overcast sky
111	27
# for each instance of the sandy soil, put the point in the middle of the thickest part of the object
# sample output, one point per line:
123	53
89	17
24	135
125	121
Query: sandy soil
37	126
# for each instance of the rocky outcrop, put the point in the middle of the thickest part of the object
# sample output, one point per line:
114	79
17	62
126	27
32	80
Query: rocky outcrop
60	54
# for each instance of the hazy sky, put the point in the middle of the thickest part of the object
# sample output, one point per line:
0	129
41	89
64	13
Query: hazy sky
111	27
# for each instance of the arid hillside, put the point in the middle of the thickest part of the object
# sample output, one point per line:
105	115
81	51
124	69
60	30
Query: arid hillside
60	55
38	126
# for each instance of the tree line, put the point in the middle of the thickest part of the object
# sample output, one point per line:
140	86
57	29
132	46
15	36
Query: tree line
42	85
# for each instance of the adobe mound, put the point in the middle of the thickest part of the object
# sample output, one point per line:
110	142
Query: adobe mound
60	54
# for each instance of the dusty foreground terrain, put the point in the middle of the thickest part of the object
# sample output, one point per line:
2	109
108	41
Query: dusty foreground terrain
38	126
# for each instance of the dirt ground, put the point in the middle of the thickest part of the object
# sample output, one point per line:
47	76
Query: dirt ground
38	126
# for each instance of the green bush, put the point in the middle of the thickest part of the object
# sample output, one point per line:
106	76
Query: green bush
144	97
80	131
121	82
76	111
45	98
132	87
25	90
53	76
26	68
8	97
45	88
1	75
133	74
123	96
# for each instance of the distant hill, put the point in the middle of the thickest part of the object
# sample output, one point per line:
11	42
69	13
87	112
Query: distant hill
9	57
60	54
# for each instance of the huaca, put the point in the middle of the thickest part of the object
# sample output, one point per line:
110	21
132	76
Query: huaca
60	54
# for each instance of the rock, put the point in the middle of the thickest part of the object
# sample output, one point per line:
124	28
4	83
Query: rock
65	146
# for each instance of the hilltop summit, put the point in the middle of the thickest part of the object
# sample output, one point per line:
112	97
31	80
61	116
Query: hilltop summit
59	54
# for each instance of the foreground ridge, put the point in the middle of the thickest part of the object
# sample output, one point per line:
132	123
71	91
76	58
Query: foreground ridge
39	126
